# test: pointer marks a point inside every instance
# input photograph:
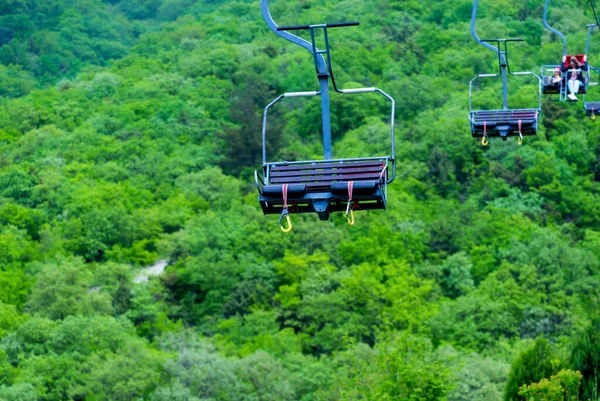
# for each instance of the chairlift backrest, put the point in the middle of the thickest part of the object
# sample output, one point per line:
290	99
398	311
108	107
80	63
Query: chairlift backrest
579	57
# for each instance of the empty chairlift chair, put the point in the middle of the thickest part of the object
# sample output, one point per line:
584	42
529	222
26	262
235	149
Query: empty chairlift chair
591	107
329	185
505	122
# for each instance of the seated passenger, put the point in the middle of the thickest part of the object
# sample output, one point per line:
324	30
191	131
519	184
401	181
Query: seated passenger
557	77
574	77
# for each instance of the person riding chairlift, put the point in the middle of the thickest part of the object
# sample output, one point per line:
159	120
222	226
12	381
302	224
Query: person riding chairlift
574	77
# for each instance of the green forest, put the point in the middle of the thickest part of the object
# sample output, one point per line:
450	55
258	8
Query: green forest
130	133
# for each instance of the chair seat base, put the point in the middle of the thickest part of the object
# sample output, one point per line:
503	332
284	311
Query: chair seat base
323	186
592	107
504	123
322	203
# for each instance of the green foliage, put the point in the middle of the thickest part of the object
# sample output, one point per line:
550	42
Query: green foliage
18	392
478	379
531	366
129	132
10	319
585	358
64	289
563	386
96	357
403	367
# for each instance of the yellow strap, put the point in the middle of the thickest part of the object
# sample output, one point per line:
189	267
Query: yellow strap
484	141
520	141
351	218
287	230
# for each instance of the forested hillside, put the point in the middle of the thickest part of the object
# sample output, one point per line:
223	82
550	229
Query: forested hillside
130	131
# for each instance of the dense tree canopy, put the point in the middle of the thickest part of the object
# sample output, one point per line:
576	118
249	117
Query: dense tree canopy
129	133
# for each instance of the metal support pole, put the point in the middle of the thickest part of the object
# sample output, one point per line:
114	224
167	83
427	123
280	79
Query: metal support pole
504	87
326	113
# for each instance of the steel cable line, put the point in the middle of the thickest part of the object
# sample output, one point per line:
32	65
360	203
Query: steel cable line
595	13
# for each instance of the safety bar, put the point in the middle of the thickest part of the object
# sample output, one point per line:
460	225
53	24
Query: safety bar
330	25
301	94
264	126
540	84
343	91
256	179
497	75
357	90
392	118
590	70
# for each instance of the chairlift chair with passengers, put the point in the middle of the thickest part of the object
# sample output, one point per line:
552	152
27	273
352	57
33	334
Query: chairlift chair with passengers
549	72
505	122
328	185
554	81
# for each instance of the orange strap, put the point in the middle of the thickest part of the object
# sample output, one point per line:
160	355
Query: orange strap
284	192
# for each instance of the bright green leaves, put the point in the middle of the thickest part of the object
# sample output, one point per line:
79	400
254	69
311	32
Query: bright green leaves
563	386
537	362
402	367
10	319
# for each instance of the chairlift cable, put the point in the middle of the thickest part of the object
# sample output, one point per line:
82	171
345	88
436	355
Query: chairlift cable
595	14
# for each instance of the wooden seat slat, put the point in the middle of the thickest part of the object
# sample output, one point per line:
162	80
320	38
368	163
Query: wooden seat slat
508	112
507	117
505	112
296	167
322	186
530	119
326	171
505	122
337	178
511	116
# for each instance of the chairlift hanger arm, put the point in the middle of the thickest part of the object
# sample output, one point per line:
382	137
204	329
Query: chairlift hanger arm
474	32
555	31
264	7
266	112
589	38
